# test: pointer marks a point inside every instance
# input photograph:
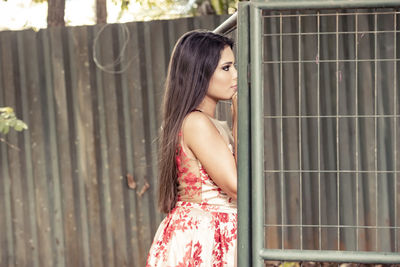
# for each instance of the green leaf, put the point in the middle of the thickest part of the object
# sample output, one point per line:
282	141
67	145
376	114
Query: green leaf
20	125
9	120
12	122
7	110
18	128
6	129
218	6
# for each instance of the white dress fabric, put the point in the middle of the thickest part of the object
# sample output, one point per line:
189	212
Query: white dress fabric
201	230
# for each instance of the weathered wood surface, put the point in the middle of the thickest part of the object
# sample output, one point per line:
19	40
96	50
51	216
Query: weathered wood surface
64	199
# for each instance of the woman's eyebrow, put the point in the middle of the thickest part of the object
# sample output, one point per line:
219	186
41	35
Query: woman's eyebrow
226	63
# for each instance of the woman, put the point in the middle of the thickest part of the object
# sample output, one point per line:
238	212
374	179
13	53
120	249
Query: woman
198	177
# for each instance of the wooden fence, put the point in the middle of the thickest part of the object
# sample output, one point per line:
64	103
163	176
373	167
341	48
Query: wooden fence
64	199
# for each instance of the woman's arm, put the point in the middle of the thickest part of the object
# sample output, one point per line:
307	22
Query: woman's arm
209	147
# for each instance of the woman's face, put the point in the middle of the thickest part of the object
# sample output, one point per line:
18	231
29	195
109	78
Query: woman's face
223	82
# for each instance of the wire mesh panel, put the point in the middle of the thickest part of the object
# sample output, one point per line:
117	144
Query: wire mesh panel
331	131
331	118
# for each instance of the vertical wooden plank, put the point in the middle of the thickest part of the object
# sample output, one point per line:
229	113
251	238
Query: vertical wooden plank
15	163
13	156
158	75
85	135
77	149
102	155
159	61
117	182
53	171
145	201
121	39
35	80
94	208
171	36
190	23
206	22
3	219
197	23
61	85
7	238
100	148
28	47
168	46
123	49
3	236
138	162
26	163
180	27
224	107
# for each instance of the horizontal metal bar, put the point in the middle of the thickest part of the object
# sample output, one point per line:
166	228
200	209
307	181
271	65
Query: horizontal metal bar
317	4
328	171
228	25
317	61
331	226
328	116
330	256
328	33
332	14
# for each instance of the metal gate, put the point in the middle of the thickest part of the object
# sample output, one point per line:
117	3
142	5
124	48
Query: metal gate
319	131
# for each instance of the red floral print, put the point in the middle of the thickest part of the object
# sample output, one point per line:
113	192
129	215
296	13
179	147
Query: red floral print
201	230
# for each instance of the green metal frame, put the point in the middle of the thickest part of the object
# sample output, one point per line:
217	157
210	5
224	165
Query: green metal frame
316	4
257	134
251	135
244	156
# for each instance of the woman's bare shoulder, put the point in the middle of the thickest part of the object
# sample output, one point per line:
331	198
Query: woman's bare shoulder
197	123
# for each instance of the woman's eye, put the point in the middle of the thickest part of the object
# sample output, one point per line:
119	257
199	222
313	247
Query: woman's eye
225	68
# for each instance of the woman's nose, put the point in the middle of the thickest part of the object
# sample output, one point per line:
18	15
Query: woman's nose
234	73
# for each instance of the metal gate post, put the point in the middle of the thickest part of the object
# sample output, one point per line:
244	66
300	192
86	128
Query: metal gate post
244	147
259	252
257	133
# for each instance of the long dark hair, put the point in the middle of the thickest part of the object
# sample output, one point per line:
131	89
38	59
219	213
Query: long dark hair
193	62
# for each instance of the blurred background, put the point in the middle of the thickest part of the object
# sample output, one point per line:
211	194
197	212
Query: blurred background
81	84
38	14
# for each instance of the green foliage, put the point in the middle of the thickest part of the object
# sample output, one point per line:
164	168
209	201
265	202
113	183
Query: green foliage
223	6
9	120
123	3
154	3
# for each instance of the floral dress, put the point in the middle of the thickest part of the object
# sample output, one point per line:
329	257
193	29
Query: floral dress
201	229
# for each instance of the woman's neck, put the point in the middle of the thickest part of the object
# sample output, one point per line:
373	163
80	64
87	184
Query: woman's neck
208	106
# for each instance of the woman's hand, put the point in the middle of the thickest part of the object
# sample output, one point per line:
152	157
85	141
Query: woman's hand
234	108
